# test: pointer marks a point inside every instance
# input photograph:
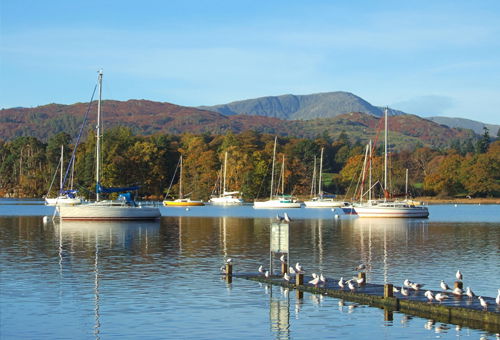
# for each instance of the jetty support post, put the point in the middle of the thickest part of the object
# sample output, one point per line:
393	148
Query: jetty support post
458	284
362	275
299	279
388	290
284	268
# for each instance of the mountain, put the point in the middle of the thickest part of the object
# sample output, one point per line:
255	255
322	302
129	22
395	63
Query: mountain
301	107
463	123
148	117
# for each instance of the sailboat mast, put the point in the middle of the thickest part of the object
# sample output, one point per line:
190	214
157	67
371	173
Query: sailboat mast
61	177
385	157
370	174
313	185
98	141
283	176
272	172
180	181
406	185
320	191
225	167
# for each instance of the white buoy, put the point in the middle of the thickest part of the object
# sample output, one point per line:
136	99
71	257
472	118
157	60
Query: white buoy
456	205
187	209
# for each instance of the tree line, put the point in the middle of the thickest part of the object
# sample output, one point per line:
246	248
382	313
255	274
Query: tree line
28	165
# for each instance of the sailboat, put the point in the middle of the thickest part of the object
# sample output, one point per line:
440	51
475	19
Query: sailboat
66	197
226	197
278	201
124	208
385	208
321	201
181	201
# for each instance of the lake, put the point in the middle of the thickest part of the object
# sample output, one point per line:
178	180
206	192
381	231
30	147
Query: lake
95	280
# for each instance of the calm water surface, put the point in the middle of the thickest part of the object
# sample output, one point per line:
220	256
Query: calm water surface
94	280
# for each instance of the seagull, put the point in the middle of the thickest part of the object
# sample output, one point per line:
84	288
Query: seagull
459	275
444	286
322	278
261	269
279	218
287	218
350	285
298	268
282	258
395	289
497	300
441	297
416	286
360	267
266	274
360	280
222	270
229	261
457	291
341	282
470	293
404	291
292	271
484	304
428	294
315	281
314	275
286	277
407	283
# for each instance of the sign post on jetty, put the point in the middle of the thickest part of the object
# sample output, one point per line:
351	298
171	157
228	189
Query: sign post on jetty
280	236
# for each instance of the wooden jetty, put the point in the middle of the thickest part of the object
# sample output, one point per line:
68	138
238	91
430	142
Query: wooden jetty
458	310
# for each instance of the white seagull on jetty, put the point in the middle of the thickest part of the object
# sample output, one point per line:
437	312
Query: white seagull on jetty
287	218
266	274
441	297
459	275
282	258
360	280
279	218
322	278
416	286
229	260
444	286
395	289
360	267
286	277
470	293
299	268
292	271
497	300
407	283
405	292
261	269
315	281
483	302
428	294
457	291
314	275
350	285
341	283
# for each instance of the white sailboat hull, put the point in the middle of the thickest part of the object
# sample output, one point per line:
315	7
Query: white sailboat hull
107	212
388	211
63	200
280	204
323	203
226	200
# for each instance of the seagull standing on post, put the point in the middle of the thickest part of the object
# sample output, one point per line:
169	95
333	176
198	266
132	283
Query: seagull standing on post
287	218
470	293
428	294
282	258
483	302
360	267
459	275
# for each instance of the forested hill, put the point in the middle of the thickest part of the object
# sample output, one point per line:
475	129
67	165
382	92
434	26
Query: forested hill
148	117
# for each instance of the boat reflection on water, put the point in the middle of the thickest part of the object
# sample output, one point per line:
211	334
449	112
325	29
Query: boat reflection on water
96	235
279	312
386	235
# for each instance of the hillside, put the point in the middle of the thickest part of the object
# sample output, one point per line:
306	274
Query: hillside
148	117
300	107
463	123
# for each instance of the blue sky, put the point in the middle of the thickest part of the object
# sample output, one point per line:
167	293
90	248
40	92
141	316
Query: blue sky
424	57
